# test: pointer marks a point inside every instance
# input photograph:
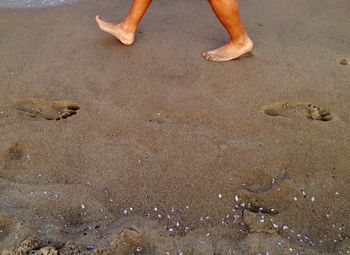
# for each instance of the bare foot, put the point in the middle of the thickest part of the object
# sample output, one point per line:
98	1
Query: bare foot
231	50
116	30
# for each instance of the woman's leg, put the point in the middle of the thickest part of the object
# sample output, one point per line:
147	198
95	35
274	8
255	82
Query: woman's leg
125	30
228	13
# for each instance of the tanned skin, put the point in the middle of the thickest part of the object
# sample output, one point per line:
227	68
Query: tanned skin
226	11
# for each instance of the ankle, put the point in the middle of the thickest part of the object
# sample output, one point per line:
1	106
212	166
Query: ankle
127	26
242	40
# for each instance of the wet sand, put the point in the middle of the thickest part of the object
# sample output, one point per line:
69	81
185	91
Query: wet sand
150	149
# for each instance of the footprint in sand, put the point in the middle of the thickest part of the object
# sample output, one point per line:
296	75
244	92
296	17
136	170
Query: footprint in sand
258	181
50	110
344	61
17	152
15	162
310	111
6	226
132	241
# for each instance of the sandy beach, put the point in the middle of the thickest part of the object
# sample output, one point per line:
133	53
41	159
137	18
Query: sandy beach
150	149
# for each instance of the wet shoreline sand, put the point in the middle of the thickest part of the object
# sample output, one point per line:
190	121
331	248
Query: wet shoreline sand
168	152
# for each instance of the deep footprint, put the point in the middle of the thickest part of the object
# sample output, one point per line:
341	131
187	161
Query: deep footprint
315	112
344	61
46	109
310	111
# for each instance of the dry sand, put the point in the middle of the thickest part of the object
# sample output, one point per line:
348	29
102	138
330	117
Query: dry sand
169	152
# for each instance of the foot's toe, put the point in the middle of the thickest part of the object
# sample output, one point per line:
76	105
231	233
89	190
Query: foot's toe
206	55
211	57
100	21
98	18
219	58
